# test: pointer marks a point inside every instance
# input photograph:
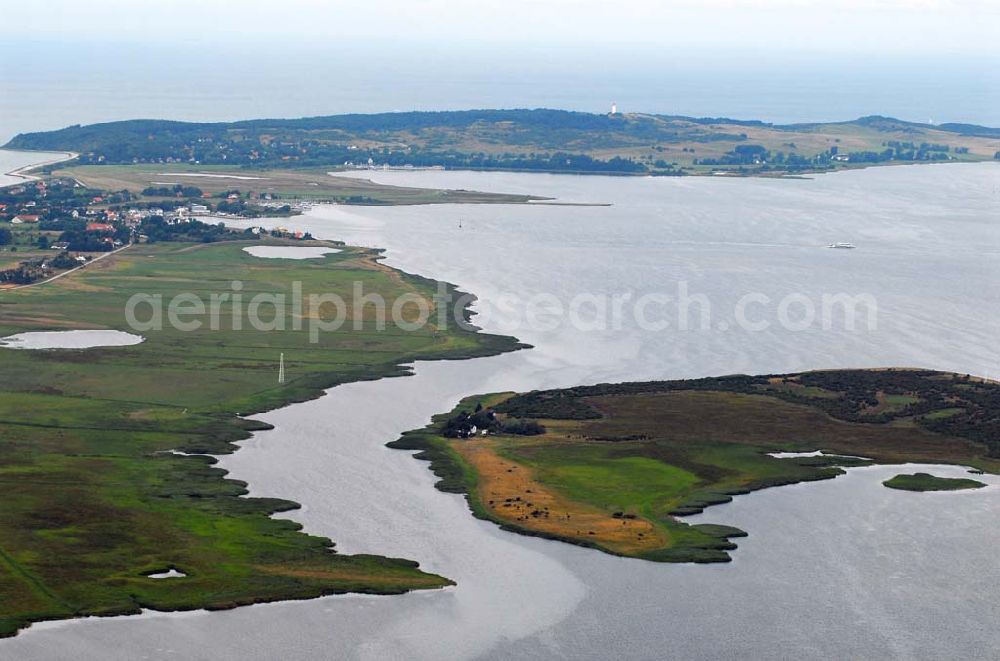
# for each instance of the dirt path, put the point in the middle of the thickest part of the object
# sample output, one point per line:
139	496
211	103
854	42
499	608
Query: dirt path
72	270
33	581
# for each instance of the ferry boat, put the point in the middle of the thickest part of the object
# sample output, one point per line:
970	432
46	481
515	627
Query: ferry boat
842	246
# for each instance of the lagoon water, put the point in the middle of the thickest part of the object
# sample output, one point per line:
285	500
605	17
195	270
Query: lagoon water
838	569
71	339
290	252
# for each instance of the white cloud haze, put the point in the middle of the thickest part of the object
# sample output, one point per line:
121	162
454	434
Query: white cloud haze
899	26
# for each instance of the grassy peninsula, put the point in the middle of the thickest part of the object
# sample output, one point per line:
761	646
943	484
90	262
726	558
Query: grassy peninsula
104	476
614	466
928	482
538	140
205	184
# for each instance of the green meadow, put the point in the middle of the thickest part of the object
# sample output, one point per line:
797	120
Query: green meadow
93	497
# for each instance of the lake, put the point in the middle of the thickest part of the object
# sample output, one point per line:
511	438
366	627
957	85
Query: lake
836	569
71	339
289	252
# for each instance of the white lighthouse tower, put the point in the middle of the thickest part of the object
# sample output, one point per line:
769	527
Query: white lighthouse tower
614	108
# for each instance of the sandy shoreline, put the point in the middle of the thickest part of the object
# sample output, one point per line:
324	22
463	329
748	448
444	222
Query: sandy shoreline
22	172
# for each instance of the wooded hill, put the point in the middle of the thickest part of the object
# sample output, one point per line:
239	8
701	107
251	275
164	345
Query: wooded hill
531	140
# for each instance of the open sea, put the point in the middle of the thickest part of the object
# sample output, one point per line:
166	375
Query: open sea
48	85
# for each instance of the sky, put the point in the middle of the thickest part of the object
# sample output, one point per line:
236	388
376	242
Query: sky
780	26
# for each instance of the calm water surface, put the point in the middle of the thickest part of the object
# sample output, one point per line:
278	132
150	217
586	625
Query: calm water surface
843	568
52	84
72	339
15	160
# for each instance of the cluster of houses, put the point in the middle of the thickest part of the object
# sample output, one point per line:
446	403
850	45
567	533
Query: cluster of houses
370	164
49	205
101	215
26	211
31	203
280	232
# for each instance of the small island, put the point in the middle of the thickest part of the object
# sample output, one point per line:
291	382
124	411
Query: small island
928	482
617	467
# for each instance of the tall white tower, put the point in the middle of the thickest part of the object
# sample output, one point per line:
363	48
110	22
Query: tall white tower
614	108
